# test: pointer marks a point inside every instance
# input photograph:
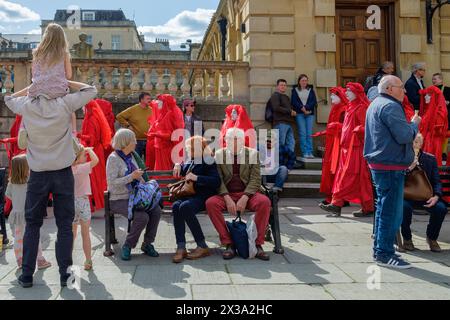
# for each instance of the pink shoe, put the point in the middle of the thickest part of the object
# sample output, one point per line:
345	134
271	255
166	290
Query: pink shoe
19	263
44	264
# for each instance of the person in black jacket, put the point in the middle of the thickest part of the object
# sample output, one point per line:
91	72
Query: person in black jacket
435	206
415	83
202	170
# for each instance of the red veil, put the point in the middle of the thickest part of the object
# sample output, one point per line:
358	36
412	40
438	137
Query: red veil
96	133
352	182
332	142
434	123
168	119
242	122
107	109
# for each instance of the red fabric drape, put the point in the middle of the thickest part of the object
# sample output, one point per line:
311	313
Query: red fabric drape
169	119
352	182
408	108
242	122
434	123
96	133
107	109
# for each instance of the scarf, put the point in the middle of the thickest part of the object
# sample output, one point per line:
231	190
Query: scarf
130	166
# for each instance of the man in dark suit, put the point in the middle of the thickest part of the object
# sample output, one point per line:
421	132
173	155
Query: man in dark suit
415	84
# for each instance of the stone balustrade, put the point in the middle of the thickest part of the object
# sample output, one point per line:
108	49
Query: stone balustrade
123	80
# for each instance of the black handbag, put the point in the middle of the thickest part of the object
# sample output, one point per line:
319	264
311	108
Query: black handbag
238	233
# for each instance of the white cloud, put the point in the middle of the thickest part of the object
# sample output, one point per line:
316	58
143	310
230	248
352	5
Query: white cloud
14	12
185	25
35	31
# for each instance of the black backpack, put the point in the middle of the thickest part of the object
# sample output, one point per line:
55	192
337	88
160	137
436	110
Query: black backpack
269	112
368	84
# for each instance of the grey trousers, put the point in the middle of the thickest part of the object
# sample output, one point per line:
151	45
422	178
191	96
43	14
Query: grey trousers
141	221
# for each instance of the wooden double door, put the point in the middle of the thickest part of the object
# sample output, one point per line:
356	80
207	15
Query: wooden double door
360	50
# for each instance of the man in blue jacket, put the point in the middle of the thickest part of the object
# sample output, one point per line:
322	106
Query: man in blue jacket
388	149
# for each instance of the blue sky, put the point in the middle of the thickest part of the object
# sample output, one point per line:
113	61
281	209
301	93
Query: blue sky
177	20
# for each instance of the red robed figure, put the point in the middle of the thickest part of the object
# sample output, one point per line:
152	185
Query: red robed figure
107	109
169	119
12	150
352	182
434	123
96	133
236	117
332	142
150	146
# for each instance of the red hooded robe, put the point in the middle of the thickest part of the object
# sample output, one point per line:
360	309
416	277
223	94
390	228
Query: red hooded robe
12	150
96	133
352	182
408	108
150	146
110	118
169	119
332	142
242	122
434	123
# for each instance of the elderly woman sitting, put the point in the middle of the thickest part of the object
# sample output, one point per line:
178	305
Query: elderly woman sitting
201	169
124	167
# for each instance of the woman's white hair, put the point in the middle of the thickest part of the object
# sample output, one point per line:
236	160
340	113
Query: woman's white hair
417	66
235	132
123	138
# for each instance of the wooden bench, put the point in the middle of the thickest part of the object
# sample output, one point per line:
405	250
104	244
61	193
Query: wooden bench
164	178
3	184
444	174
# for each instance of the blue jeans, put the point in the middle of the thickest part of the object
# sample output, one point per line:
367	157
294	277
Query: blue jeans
437	216
389	213
305	125
61	184
140	148
184	212
286	135
279	178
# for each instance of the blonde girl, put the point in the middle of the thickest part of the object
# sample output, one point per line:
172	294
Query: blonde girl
17	191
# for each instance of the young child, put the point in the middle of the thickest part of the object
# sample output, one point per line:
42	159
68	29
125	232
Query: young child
16	191
51	69
81	170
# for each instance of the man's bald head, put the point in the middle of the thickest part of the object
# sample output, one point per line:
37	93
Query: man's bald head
393	86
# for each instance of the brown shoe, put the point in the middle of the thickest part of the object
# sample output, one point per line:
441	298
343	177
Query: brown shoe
434	245
179	256
262	255
229	253
408	245
198	253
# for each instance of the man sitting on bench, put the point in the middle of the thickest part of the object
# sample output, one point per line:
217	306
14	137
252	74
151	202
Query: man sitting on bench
240	174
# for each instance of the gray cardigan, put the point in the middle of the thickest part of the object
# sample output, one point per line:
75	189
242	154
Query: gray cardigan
117	179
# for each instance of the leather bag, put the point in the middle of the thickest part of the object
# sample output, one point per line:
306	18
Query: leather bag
417	185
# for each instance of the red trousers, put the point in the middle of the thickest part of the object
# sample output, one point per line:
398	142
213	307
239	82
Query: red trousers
259	203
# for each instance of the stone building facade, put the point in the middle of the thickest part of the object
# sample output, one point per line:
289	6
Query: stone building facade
329	40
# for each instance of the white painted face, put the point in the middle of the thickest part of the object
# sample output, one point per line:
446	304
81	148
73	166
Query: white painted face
234	115
160	104
350	95
335	99
427	99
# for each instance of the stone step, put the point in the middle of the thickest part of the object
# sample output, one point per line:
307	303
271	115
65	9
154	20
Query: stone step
311	164
300	190
305	175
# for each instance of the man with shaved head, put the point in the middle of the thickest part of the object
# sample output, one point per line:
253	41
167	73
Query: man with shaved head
388	149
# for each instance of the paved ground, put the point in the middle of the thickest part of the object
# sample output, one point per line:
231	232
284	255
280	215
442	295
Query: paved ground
326	258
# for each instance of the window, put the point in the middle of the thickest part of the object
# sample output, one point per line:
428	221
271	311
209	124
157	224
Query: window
89	39
89	16
115	42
